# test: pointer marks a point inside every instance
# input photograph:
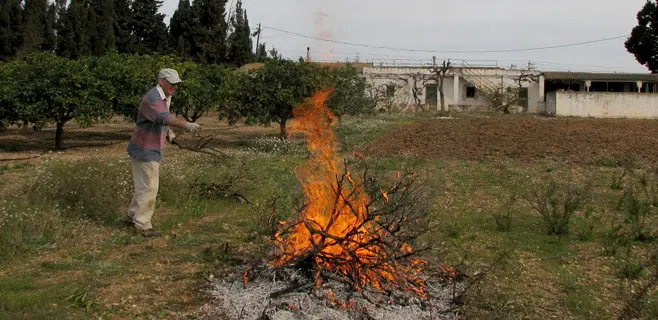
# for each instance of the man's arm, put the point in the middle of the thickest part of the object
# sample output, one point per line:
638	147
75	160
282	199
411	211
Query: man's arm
189	126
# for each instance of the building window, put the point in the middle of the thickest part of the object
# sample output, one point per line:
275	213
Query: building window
470	92
390	90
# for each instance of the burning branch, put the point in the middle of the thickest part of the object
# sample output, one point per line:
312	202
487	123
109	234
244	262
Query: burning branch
351	227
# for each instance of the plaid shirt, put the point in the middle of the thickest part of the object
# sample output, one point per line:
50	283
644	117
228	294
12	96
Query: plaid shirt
149	138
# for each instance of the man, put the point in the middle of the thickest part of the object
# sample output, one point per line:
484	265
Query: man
146	148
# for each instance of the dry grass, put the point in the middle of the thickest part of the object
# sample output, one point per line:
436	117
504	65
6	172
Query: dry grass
130	277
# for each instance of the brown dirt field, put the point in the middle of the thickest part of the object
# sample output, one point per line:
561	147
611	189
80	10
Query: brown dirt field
521	138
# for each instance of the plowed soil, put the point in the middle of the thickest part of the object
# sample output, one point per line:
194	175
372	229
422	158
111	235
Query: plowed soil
577	140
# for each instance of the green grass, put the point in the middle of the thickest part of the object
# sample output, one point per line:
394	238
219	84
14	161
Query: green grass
58	233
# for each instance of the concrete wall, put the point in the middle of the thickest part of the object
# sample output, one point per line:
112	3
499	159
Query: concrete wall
403	79
603	104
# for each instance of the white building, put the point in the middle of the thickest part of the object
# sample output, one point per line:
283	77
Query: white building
557	93
414	88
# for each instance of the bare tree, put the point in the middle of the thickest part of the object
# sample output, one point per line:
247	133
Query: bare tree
439	73
504	97
417	90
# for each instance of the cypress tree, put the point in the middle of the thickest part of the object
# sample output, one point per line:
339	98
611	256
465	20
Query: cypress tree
210	38
34	25
122	17
10	28
149	31
240	42
182	27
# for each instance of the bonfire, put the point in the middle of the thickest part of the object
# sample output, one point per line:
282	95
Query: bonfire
350	244
339	231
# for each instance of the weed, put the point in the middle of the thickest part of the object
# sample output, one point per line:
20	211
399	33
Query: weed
586	228
26	226
637	212
503	217
617	182
614	239
273	145
81	299
92	189
557	204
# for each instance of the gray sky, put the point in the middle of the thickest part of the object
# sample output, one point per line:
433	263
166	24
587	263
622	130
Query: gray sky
451	25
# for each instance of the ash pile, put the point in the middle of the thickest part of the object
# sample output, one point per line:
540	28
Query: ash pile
266	293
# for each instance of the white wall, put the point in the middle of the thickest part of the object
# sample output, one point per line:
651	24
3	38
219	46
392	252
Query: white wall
604	104
402	78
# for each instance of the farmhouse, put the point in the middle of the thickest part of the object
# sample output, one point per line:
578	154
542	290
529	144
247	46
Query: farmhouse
601	95
475	88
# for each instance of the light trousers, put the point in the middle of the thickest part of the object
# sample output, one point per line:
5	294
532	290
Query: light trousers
146	178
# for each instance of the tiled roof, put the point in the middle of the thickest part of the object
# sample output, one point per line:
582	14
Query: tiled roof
630	77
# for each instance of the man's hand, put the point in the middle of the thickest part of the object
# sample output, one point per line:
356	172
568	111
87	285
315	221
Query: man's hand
192	127
171	135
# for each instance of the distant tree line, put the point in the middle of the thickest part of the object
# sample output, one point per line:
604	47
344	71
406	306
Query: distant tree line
203	32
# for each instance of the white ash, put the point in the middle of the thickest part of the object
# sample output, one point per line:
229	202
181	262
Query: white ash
253	301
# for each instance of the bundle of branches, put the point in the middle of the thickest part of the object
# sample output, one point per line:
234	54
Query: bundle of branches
226	187
359	232
201	145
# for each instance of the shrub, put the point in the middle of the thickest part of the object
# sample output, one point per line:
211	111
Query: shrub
557	204
91	189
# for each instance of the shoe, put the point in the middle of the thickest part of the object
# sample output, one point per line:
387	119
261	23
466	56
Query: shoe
127	221
149	233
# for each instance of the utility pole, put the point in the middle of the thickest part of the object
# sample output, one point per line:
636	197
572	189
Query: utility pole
257	34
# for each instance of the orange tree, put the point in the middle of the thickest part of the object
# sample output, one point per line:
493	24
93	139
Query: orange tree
48	88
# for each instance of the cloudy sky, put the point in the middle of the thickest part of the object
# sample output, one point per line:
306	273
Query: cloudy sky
450	29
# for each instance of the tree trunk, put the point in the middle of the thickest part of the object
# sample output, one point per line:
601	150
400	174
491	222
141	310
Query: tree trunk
442	96
58	134
284	130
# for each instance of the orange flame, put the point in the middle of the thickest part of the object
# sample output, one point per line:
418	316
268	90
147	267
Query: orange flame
337	211
245	277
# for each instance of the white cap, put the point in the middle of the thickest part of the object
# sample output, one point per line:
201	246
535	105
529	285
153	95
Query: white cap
170	75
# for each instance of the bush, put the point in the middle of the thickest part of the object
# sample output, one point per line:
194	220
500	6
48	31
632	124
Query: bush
557	204
92	189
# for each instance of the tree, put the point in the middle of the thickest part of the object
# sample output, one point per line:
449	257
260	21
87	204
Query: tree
182	27
211	34
440	73
504	97
9	93
274	90
102	28
65	90
49	33
73	30
349	95
10	32
261	52
643	42
130	76
418	82
275	54
149	32
122	17
34	25
240	43
204	88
